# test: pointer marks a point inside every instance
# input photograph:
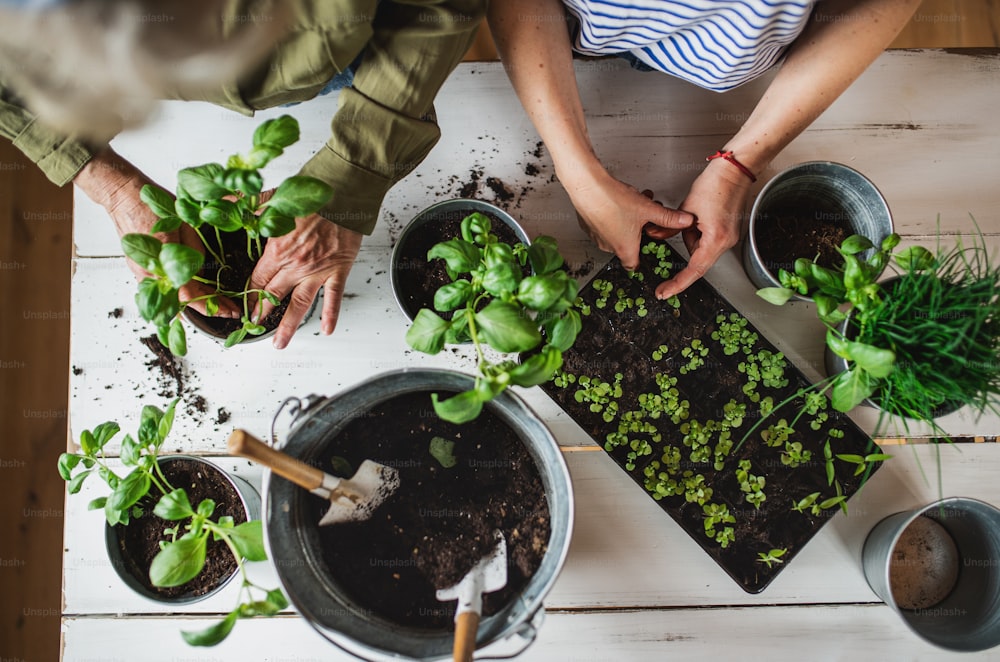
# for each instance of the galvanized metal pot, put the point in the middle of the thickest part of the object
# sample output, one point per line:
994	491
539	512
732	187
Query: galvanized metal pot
402	265
292	539
968	618
250	499
829	191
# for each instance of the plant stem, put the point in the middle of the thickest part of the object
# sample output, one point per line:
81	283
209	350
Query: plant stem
208	248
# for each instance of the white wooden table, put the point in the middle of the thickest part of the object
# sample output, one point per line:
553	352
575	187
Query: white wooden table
921	124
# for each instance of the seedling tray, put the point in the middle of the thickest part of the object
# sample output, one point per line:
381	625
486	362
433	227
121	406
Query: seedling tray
637	355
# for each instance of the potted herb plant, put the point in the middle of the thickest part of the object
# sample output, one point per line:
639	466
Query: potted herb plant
808	209
415	277
227	208
370	586
492	303
178	527
922	343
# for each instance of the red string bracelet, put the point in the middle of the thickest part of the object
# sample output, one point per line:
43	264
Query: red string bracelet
728	155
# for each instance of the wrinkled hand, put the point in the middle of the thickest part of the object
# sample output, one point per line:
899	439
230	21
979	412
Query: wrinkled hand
614	215
717	199
130	214
318	253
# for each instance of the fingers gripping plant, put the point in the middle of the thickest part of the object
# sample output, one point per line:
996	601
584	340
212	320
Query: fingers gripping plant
213	200
493	304
183	552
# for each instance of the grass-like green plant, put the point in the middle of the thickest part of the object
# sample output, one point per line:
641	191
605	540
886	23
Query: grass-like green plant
214	200
183	551
924	342
493	304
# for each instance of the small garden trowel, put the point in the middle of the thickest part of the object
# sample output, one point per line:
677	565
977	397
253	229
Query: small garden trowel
488	575
351	499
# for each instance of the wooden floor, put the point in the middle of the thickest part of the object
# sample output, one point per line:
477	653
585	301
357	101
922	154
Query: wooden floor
35	252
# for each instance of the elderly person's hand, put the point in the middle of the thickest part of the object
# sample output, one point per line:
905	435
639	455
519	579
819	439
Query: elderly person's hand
114	183
318	253
717	199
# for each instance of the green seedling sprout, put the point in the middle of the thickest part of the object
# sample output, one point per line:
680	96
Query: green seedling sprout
771	557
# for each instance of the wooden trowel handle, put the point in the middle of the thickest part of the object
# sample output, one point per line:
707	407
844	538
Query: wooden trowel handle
466	627
246	445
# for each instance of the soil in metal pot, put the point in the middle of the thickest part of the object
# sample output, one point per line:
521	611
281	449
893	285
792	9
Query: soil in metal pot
785	235
235	278
139	542
441	521
653	384
419	278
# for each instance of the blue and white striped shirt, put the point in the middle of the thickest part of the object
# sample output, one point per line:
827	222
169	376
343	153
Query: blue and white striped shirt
715	44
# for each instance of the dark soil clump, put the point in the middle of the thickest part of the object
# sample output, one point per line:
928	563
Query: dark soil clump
782	237
441	521
168	370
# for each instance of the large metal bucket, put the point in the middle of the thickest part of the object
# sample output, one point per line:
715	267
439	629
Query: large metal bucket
292	540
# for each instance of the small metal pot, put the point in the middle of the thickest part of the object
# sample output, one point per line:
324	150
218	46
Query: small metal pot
403	266
831	191
251	505
294	549
963	534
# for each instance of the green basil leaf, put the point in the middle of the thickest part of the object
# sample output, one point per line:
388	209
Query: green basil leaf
502	279
776	295
189	212
166	421
148	299
144	250
177	338
104	432
541	292
505	327
212	305
854	274
915	258
206	507
132	487
891	241
460	408
850	388
850	457
803	268
180	263
496	254
460	256
475	225
222	214
451	296
248	538
199	182
855	244
277	598
129	451
76	482
260	156
443	450
213	634
173	506
67	462
97	503
275	224
278	132
537	369
300	196
544	255
427	333
236	337
166	224
159	201
875	361
178	562
565	330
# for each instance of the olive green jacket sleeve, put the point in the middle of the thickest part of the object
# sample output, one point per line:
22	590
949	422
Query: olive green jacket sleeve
384	126
59	157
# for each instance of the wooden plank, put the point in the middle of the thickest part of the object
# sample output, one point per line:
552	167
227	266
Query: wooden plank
625	551
779	634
